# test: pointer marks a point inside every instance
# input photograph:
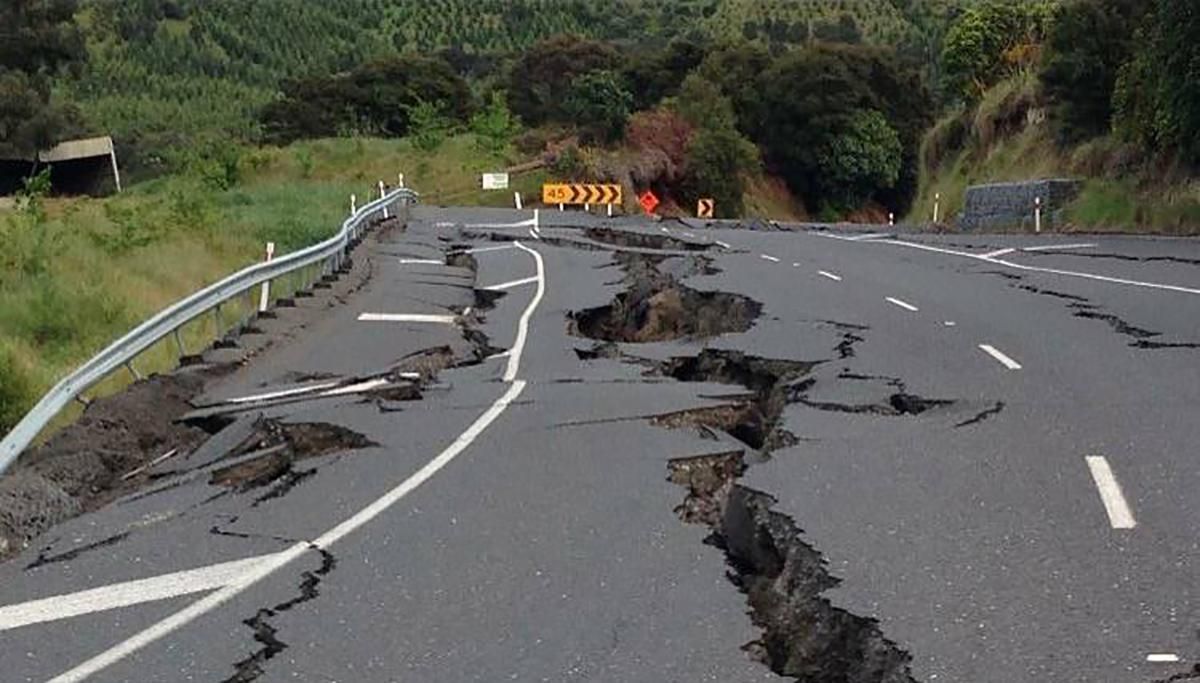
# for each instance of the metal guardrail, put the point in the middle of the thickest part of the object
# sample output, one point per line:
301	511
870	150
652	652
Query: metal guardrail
121	353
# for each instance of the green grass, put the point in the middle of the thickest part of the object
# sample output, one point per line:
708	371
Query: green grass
95	268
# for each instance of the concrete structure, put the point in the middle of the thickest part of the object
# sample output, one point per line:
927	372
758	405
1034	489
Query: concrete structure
87	166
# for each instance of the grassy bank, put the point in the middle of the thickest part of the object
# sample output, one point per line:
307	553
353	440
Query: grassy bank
85	271
998	141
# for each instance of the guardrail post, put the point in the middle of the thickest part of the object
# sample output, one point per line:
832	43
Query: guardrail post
179	343
217	319
137	376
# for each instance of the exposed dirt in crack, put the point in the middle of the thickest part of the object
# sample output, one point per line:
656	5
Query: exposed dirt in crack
642	240
253	666
804	635
657	307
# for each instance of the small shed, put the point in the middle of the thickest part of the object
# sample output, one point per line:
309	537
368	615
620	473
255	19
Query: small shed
77	167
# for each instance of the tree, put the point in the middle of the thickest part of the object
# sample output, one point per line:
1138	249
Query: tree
1087	44
539	80
717	161
1157	96
494	125
599	103
428	125
860	160
38	40
844	30
658	73
988	40
738	71
376	98
702	104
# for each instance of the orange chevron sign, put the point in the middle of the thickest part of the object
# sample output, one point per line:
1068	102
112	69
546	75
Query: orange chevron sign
704	208
574	193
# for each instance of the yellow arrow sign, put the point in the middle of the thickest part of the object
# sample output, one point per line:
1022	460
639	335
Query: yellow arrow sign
579	193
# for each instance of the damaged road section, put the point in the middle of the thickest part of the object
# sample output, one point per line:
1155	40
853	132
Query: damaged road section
657	307
804	635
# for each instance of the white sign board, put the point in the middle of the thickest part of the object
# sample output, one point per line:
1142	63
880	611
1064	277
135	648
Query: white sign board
495	181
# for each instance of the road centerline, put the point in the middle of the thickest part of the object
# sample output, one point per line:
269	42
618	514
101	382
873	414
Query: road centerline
1000	356
1120	516
902	304
829	275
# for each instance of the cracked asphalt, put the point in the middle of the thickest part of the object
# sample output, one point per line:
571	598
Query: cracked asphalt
937	458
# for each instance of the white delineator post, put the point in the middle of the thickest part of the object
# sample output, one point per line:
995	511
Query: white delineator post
353	205
560	207
1037	214
610	210
382	194
400	178
517	200
891	219
937	201
264	296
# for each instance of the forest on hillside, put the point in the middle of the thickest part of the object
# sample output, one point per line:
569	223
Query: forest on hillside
835	97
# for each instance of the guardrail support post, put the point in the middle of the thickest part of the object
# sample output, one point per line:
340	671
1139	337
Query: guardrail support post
217	319
137	376
179	342
82	400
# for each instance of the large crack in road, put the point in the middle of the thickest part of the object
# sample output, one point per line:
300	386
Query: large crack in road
783	578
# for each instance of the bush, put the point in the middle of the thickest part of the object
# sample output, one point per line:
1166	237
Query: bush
16	391
494	126
599	103
990	41
538	82
862	159
717	162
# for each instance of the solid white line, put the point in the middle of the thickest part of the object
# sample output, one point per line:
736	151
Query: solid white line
534	234
867	237
1004	360
999	252
125	594
902	304
484	250
518	347
950	323
1034	269
407	318
422	261
768	257
688	234
356	388
275	562
519	224
1119	514
1163	657
512	283
831	276
723	245
1053	247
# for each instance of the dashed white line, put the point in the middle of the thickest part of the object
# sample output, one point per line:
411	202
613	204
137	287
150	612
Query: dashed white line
723	245
950	323
512	283
1163	657
1054	247
484	250
1000	356
421	261
867	237
1119	514
664	230
827	274
902	304
689	234
407	318
768	257
283	393
273	563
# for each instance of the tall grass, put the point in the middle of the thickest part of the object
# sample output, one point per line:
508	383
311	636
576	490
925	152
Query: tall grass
88	270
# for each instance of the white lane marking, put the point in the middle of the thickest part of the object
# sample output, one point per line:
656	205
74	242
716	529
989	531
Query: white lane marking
831	276
867	237
484	250
688	234
1053	247
723	245
998	252
518	347
356	388
407	318
276	562
1035	269
1162	657
950	323
282	393
125	594
534	234
422	261
467	311
512	283
664	229
519	224
998	355
768	257
1119	514
902	304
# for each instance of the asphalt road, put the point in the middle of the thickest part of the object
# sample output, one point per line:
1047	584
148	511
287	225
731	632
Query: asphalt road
1033	518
